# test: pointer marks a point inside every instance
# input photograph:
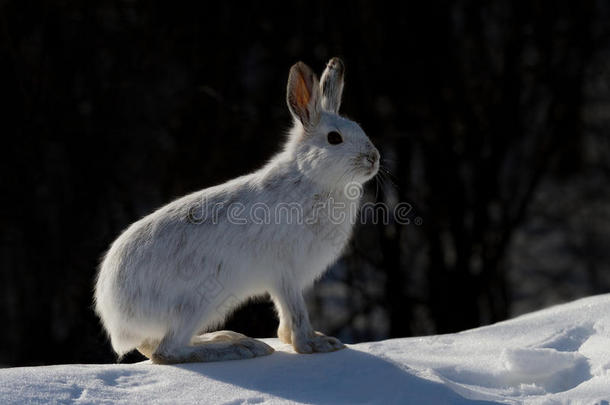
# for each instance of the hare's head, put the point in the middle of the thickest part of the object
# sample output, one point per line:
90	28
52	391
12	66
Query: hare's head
328	148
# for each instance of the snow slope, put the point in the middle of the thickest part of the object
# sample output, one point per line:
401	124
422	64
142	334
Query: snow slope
557	355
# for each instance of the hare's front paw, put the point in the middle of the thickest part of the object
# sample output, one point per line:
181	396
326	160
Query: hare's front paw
316	343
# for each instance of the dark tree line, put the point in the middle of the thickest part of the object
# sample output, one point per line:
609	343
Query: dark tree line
492	119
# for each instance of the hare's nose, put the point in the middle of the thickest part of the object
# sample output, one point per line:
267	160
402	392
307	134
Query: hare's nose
373	157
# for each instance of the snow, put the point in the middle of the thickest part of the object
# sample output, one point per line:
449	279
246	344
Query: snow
554	356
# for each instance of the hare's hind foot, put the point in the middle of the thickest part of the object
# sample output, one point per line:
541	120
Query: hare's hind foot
216	346
255	346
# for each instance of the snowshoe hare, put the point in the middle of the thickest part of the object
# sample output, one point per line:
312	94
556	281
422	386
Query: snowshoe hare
177	273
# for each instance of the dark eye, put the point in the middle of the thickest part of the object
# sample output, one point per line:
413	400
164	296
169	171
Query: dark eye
334	138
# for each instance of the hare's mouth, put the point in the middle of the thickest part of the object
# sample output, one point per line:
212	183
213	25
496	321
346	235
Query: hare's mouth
370	169
371	164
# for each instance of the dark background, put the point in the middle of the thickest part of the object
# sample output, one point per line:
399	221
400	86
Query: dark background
492	118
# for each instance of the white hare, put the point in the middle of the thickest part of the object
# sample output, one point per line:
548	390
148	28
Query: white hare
178	272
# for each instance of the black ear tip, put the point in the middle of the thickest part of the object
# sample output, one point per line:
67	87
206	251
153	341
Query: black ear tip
336	63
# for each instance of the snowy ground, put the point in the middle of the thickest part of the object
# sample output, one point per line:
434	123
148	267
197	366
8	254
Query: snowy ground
558	355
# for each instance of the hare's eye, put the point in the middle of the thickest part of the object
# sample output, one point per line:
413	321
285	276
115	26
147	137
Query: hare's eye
334	138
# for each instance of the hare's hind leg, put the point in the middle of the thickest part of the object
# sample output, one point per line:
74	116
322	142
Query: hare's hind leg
216	346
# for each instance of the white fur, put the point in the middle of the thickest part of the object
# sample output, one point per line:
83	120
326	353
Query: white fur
168	278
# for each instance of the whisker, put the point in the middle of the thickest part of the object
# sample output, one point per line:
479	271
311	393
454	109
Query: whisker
384	183
376	187
386	170
381	181
389	176
388	183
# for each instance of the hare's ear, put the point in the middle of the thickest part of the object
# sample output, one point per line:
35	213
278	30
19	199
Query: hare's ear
303	95
331	85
